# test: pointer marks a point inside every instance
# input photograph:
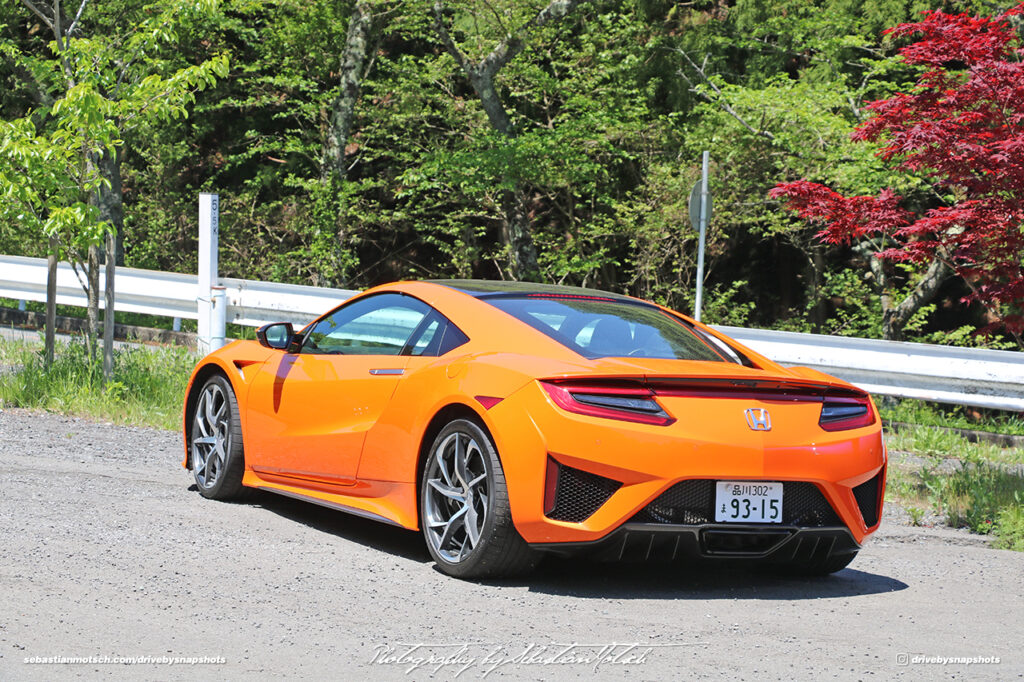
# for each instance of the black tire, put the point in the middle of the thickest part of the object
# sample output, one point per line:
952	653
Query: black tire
499	550
216	453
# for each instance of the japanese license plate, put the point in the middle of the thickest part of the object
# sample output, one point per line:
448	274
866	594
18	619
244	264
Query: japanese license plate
748	502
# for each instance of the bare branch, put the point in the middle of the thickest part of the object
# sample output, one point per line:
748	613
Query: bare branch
38	12
509	47
514	44
497	16
721	101
446	39
78	15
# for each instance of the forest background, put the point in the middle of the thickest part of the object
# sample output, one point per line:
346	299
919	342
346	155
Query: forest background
355	143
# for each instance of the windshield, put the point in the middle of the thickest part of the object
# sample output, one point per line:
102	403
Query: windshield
598	328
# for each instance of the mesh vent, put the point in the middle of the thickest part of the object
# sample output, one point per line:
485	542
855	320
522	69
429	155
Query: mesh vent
866	495
804	505
687	502
692	502
579	494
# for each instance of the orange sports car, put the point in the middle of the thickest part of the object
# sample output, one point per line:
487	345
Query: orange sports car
505	420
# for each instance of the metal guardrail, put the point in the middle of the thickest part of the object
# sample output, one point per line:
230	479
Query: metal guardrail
945	374
171	294
965	376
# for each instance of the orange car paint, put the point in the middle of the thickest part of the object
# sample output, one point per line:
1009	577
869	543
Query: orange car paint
359	449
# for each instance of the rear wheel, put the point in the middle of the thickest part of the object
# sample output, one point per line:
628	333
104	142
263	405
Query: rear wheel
464	508
216	454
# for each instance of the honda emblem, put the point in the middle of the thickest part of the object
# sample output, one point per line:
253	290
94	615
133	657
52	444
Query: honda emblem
758	419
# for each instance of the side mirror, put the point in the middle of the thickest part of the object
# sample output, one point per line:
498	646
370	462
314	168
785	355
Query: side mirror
277	335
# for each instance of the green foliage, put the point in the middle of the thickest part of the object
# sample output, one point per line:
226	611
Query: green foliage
146	388
609	134
44	180
723	306
938	443
981	496
94	89
1010	527
974	494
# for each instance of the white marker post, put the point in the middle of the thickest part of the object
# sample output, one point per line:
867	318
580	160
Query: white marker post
209	233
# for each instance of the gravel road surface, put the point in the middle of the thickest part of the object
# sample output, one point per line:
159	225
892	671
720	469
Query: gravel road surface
107	553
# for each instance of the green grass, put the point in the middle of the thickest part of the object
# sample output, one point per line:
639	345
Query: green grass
974	495
147	388
983	496
952	416
1010	528
926	441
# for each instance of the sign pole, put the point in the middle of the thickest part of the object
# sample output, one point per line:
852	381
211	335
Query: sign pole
704	215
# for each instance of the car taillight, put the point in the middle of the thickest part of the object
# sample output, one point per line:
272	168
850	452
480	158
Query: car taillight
610	402
840	414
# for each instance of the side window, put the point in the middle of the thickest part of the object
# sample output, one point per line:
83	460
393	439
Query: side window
378	325
436	336
453	338
426	339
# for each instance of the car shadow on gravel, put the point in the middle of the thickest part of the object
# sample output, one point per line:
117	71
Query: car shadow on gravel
396	541
588	579
593	580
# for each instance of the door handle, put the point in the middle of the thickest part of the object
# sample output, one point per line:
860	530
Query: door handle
387	371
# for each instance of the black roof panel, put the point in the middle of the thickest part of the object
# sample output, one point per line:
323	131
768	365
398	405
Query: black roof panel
483	288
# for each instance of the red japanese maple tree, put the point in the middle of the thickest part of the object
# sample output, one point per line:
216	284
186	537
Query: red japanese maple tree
962	126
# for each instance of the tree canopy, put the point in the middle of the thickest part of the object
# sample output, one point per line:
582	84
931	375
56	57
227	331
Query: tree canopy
961	126
362	141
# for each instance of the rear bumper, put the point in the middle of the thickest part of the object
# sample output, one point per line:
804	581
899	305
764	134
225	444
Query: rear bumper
639	463
713	542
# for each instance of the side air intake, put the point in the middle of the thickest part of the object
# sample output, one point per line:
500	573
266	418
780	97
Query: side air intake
576	494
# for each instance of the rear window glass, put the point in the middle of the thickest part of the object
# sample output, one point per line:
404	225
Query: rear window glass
606	328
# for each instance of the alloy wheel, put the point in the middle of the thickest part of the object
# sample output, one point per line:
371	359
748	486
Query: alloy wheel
458	496
211	435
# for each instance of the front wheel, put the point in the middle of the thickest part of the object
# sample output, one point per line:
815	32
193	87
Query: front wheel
464	508
215	450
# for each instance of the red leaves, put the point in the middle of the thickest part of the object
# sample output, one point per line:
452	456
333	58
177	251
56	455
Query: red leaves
963	127
844	219
945	38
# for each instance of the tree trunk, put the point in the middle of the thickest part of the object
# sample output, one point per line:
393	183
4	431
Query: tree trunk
817	263
895	316
92	315
108	309
51	301
353	63
516	233
110	200
515	228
